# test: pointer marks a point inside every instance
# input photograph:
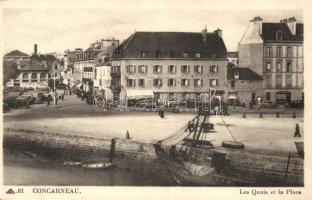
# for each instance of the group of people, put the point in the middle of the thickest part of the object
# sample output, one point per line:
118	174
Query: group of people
55	96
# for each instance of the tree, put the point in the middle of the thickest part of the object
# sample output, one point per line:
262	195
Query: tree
10	71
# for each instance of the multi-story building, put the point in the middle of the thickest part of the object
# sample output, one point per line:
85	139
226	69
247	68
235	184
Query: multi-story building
171	64
102	80
69	58
84	64
33	75
275	51
244	86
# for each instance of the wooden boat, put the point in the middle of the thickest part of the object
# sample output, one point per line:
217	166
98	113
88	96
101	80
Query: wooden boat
98	165
72	163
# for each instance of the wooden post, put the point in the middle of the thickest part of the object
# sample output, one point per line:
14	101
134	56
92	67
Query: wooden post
287	165
244	115
112	150
277	115
294	115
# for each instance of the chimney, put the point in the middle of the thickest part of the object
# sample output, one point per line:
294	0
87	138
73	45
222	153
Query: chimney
219	32
256	22
204	34
291	23
35	49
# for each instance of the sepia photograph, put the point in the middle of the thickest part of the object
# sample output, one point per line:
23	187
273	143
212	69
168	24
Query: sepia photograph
153	97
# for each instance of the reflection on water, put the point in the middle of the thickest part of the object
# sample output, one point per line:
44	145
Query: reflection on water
24	168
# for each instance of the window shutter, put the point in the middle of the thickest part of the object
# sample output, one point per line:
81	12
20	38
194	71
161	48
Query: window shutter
134	69
168	68
217	68
134	82
127	68
174	82
201	82
160	68
188	68
175	69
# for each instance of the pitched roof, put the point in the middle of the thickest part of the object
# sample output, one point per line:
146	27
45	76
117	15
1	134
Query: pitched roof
171	45
244	73
16	53
270	31
33	66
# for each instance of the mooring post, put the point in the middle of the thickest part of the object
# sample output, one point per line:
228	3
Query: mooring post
260	115
294	115
287	165
277	115
112	150
244	115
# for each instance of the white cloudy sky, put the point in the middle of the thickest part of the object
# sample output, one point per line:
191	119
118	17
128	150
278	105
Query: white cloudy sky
57	29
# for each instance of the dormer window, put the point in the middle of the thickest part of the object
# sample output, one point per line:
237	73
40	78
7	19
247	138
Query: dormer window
143	54
157	54
197	55
279	35
185	54
236	75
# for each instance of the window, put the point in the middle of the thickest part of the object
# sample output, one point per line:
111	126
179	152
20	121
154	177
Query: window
157	82
142	69
213	69
130	69
25	77
288	66
278	81
232	84
131	83
185	69
55	66
157	69
185	82
289	81
171	82
143	54
278	66
141	83
268	96
34	77
185	54
198	82
236	74
279	35
116	69
171	69
289	52
268	52
198	69
43	77
279	52
157	54
213	82
197	55
268	67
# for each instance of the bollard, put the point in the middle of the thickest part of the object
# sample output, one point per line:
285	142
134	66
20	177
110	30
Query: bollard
297	131
277	115
294	115
244	115
260	115
127	135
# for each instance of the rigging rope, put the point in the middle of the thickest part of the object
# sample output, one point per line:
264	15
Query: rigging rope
228	129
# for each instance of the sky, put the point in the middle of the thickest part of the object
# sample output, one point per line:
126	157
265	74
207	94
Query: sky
58	29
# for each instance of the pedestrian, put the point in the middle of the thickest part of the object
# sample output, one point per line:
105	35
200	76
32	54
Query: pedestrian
216	110
297	131
49	100
56	98
63	97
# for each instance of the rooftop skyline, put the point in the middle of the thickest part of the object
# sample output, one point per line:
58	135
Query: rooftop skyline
56	30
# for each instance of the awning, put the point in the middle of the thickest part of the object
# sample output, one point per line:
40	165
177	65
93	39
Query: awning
232	96
138	94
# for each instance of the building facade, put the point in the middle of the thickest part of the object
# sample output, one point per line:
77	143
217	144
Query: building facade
171	64
244	86
86	61
275	51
